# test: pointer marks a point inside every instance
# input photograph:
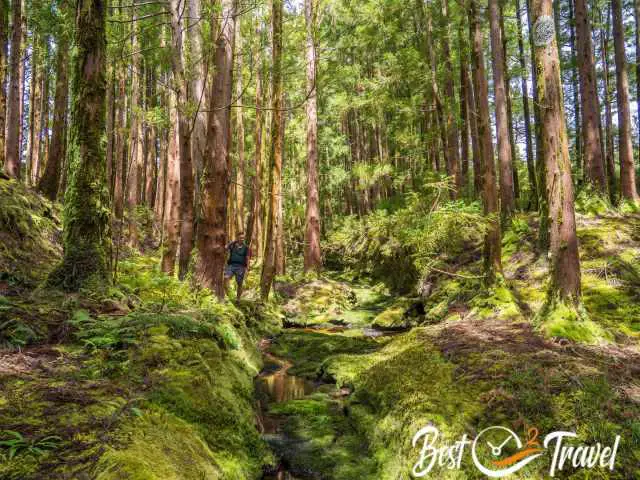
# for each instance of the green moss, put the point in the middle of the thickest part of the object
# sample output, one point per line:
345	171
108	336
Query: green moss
162	447
498	302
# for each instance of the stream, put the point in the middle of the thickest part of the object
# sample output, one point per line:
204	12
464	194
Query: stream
276	385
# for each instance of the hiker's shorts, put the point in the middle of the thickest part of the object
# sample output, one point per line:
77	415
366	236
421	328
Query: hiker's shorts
235	271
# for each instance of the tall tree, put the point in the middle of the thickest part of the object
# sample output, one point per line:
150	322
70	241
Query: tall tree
625	146
565	263
14	100
507	200
275	163
592	147
134	168
86	219
453	146
171	226
531	169
212	231
240	147
492	241
312	254
4	51
50	180
254	230
605	34
180	85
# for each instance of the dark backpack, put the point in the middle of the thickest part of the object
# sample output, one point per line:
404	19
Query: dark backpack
238	253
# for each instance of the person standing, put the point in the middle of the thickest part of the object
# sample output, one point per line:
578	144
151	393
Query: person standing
237	264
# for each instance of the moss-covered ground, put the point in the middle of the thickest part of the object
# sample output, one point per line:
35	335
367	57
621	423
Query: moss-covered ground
153	379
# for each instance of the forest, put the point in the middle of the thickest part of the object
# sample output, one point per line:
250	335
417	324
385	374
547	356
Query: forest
319	239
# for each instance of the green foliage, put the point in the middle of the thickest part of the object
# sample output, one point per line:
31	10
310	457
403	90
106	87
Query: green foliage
16	334
14	443
29	235
396	247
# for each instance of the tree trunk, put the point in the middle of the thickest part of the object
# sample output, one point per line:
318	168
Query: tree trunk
575	88
611	168
134	170
171	194
531	169
86	219
184	138
50	179
240	169
111	120
565	263
453	155
120	146
254	230
507	201
199	95
625	147
41	126
464	110
35	105
543	207
14	101
636	14
593	162
507	90
212	232
4	51
312	253
492	242
277	135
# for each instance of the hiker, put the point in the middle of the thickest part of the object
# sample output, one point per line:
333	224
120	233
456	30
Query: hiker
238	263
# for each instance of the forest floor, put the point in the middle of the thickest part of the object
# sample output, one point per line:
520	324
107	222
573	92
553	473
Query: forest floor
155	380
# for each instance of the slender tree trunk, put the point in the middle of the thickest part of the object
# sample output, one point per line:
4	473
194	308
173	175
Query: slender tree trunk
41	126
178	61
312	254
171	194
464	110
593	162
254	232
277	135
212	232
120	147
111	120
575	88
543	207
565	263
199	92
625	146
4	52
240	170
50	179
86	220
492	242
12	147
611	168
453	155
636	14
134	170
35	104
507	201
507	89
531	169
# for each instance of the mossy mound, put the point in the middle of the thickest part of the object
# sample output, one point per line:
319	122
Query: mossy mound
153	382
465	376
30	237
319	302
